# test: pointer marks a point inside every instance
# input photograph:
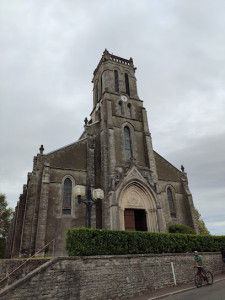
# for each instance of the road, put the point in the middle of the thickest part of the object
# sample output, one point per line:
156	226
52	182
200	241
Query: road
211	292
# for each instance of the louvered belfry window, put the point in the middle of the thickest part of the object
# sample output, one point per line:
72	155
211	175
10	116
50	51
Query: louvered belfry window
127	84
129	113
116	81
120	109
67	194
127	143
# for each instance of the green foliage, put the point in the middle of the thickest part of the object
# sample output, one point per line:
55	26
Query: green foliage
5	219
201	224
85	242
181	229
2	247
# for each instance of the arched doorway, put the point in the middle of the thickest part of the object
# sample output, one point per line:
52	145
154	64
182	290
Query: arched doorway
138	210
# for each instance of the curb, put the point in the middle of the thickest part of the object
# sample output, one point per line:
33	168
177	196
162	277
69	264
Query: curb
179	291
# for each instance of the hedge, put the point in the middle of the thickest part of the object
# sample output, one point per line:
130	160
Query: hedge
85	242
181	229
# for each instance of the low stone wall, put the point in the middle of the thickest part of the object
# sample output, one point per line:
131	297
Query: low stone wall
106	277
9	265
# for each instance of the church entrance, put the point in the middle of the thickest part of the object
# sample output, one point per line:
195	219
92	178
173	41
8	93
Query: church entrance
135	220
137	209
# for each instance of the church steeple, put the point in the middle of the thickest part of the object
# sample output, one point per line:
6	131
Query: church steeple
114	75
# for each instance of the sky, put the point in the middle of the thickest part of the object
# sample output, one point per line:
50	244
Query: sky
49	50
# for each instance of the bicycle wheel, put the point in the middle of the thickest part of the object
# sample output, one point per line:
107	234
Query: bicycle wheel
198	280
209	276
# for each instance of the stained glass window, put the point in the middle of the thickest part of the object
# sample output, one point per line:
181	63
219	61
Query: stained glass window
127	143
171	203
67	193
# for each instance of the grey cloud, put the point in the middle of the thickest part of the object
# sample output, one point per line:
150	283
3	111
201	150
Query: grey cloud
49	50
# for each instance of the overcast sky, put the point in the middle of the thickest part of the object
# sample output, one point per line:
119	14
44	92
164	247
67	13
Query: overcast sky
49	50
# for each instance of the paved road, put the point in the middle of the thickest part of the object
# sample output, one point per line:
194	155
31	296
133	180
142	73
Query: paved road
211	292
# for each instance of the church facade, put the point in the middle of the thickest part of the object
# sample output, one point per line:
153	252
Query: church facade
142	190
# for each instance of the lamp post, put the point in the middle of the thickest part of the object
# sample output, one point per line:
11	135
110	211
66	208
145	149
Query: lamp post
91	198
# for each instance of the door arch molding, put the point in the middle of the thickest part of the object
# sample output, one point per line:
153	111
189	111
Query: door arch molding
136	196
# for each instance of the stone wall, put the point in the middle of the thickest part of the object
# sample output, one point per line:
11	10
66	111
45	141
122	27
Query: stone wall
9	265
105	277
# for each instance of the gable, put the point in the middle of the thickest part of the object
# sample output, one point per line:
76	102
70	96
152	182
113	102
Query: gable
165	170
73	156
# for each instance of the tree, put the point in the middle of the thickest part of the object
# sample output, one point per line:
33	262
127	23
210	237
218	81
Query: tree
5	219
201	223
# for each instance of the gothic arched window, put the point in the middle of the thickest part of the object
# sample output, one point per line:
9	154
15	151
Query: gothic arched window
96	93
116	79
120	108
129	112
127	84
101	87
171	203
127	143
67	194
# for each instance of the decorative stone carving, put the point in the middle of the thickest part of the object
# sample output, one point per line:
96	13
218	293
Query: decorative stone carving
134	173
135	200
116	178
41	149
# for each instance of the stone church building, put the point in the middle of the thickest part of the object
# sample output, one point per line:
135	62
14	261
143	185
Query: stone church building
142	190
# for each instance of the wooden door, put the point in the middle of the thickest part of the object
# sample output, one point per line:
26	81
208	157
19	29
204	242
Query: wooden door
129	219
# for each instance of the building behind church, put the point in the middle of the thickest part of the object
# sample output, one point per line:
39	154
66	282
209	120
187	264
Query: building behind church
142	190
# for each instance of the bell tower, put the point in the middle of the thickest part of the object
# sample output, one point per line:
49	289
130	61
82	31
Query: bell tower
114	75
124	137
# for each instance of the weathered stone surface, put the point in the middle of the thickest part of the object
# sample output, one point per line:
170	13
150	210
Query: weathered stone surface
105	277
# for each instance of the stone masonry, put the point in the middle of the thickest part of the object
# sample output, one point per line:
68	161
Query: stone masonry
105	277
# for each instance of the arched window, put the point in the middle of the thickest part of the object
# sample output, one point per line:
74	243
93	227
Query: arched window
67	194
116	81
127	143
101	87
171	203
96	93
127	84
129	112
120	108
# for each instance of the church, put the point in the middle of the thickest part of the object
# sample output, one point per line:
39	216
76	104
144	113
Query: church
110	178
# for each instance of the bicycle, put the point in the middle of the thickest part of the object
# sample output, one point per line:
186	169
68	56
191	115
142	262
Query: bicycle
201	278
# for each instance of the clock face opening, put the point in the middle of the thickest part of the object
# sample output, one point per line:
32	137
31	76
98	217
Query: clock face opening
124	98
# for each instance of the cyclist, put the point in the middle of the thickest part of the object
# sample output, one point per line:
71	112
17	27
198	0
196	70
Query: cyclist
198	262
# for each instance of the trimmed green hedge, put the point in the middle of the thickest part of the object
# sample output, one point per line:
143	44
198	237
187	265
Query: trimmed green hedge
84	242
181	229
